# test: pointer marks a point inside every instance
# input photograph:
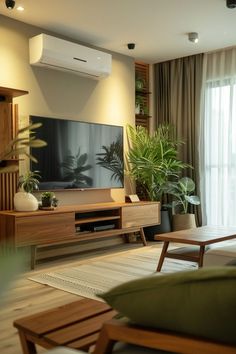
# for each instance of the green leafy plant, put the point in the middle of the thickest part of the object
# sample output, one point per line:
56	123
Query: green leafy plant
74	168
140	83
153	159
140	105
112	159
182	193
29	181
47	198
20	146
139	101
47	195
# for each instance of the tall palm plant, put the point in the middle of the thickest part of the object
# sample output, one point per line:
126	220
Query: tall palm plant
153	159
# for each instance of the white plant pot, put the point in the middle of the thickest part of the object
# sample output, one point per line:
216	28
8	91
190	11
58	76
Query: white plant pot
137	109
24	201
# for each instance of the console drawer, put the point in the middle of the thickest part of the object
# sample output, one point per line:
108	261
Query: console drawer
43	229
140	215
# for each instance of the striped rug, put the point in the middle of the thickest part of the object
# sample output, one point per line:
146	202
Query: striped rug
96	277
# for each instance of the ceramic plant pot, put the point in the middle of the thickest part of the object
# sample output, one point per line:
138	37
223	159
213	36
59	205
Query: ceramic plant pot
24	201
183	222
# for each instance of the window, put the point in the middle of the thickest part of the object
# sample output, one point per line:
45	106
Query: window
220	152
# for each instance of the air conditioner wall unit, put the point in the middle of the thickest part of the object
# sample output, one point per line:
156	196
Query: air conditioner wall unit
56	53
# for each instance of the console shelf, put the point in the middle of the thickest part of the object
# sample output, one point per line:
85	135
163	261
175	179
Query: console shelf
94	219
76	223
101	234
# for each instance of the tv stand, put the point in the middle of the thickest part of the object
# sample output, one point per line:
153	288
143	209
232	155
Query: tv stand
68	224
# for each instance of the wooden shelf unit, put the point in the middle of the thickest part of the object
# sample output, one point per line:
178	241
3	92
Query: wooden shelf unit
142	71
68	224
8	131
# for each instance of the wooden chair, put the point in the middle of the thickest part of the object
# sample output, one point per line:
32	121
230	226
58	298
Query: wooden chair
117	331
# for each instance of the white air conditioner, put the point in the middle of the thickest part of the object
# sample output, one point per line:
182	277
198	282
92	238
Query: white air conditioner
56	53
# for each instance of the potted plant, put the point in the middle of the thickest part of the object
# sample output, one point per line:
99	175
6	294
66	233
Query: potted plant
182	193
19	146
47	199
24	200
140	83
153	160
139	102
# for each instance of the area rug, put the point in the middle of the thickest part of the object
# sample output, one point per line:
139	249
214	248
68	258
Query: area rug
88	280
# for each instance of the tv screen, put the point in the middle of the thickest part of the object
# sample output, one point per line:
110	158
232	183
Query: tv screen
78	155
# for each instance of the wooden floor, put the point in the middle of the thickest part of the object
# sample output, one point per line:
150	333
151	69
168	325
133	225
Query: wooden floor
26	297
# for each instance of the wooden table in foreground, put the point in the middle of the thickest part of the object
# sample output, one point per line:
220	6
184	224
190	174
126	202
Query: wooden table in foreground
75	325
200	236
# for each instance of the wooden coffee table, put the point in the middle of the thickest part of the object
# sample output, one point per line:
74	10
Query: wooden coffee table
199	237
75	325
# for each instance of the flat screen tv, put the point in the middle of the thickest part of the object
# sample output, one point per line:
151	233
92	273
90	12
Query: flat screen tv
78	155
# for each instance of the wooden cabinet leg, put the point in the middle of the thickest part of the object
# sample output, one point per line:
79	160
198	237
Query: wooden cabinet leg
28	347
33	256
142	234
162	256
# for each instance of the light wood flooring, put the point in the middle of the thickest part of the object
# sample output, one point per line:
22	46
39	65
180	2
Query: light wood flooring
26	297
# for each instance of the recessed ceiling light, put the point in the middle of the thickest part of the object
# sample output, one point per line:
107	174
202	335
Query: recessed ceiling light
20	8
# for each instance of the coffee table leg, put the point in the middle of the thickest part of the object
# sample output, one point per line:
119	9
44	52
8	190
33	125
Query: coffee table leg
201	255
28	347
104	344
162	256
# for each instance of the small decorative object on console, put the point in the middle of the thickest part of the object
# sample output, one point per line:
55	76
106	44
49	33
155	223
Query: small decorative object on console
54	201
131	198
47	200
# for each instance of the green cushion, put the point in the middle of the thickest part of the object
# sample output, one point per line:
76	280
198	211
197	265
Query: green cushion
199	302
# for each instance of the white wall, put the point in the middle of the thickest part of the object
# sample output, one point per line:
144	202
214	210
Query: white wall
54	93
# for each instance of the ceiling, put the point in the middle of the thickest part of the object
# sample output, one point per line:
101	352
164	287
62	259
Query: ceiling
158	27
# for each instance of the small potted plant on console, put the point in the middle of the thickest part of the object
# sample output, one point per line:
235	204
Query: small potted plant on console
47	199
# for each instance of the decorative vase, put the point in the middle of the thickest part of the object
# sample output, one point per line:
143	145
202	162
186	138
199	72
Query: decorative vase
183	222
24	201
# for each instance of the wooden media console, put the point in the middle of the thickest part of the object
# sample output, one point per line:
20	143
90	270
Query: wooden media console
73	223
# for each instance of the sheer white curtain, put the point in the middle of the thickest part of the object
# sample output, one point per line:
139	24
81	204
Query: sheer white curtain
218	139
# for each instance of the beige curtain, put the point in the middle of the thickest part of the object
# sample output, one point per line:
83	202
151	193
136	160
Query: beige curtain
178	86
218	142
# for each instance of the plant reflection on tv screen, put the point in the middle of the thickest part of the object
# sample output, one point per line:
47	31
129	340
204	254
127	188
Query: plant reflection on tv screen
112	159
